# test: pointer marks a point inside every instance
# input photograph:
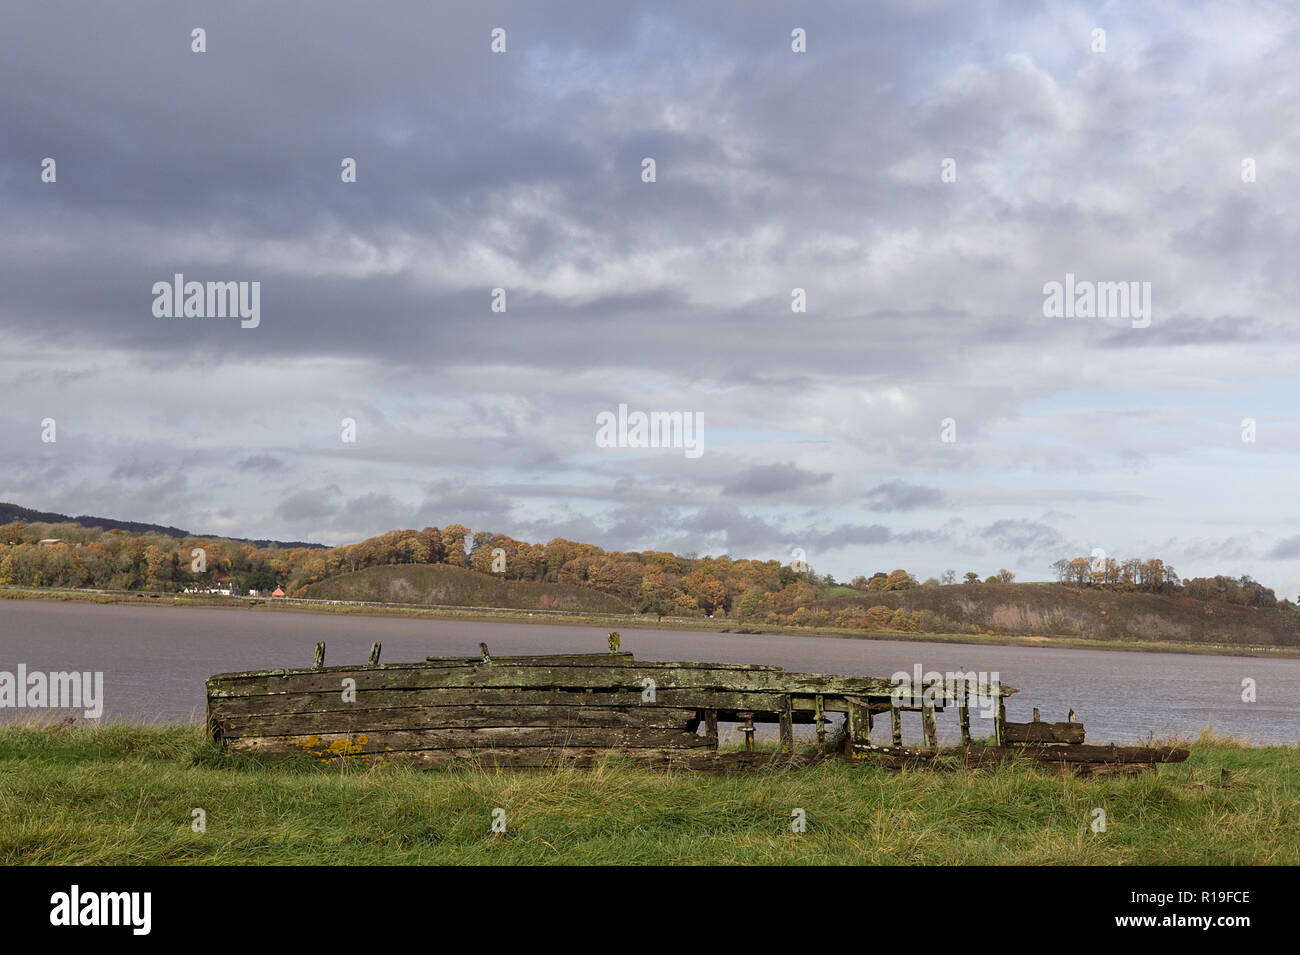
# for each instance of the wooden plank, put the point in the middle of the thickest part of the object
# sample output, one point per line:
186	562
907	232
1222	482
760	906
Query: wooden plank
539	659
1062	755
1044	732
360	718
622	659
767	702
787	724
896	725
385	741
1084	753
695	760
541	677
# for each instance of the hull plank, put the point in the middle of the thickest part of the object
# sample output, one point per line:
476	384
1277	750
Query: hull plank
287	703
486	675
469	738
372	719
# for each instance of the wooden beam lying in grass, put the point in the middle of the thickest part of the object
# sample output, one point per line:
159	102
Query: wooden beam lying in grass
695	760
1044	732
993	755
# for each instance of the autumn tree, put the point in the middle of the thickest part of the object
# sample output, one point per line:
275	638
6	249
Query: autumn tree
899	580
709	592
453	544
657	592
158	564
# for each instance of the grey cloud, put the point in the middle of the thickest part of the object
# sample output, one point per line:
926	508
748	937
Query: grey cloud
902	496
1286	549
764	479
1020	535
308	505
261	464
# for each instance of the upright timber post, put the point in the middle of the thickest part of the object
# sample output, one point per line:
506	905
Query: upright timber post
319	662
374	653
1000	723
748	730
927	723
787	724
711	728
896	723
963	710
820	718
852	725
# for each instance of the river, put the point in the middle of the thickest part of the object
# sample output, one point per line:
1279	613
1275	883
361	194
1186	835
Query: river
154	660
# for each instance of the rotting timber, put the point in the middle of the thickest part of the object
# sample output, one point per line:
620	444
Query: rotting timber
571	709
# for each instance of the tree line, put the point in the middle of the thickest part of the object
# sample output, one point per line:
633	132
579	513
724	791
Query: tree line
653	582
1153	575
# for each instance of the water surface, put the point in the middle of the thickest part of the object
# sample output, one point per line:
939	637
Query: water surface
155	660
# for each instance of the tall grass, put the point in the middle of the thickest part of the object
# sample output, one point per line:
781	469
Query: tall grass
121	794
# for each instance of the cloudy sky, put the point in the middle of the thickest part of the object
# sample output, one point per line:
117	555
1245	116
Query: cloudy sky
774	170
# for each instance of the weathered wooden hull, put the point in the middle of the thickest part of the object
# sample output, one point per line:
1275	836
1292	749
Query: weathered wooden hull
542	711
518	711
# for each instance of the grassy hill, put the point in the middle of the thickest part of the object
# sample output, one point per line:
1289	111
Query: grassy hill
1056	610
13	514
444	585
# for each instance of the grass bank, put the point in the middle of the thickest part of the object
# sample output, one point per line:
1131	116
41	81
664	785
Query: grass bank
120	794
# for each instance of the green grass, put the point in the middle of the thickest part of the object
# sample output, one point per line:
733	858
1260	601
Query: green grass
121	794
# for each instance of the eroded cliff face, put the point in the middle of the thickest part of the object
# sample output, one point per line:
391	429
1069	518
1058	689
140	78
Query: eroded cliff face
1055	610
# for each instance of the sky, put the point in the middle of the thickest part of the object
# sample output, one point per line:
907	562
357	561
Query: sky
922	171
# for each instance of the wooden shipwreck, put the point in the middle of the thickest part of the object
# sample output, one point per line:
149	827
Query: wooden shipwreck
571	709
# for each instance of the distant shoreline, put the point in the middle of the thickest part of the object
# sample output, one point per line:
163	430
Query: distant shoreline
630	621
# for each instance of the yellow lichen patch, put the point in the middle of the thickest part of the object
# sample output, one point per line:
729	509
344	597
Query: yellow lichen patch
348	747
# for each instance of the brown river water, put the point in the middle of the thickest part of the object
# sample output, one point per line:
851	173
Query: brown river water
155	659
